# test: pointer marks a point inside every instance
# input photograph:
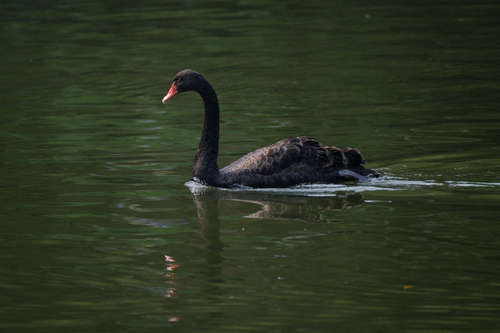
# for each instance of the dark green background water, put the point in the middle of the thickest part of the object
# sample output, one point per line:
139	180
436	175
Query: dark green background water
99	232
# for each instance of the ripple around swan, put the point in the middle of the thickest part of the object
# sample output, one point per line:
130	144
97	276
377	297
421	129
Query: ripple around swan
386	183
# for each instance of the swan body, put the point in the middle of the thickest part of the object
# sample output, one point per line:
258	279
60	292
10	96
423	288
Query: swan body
285	163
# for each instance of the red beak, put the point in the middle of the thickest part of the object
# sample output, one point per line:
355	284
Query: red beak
171	93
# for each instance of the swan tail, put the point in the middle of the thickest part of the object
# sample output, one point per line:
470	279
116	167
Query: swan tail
355	163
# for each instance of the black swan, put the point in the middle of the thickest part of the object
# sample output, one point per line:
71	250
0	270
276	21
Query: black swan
288	162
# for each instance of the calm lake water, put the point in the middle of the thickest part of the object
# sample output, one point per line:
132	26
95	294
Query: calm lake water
101	233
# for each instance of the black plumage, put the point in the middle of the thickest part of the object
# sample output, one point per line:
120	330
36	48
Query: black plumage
285	163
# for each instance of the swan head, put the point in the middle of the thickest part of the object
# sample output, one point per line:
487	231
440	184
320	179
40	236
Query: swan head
185	80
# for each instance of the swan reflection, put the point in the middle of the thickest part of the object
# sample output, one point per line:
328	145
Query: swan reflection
270	205
277	205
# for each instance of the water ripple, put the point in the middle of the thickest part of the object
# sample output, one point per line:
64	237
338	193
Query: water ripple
387	183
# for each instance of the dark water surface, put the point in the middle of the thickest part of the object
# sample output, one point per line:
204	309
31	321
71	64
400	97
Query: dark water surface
100	233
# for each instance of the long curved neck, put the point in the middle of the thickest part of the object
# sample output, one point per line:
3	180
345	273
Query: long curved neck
205	163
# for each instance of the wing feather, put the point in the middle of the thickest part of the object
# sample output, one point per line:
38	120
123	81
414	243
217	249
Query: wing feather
290	152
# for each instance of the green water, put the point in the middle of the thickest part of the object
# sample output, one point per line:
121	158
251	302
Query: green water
100	233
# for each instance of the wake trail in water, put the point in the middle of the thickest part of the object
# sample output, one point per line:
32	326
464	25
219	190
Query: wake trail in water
386	183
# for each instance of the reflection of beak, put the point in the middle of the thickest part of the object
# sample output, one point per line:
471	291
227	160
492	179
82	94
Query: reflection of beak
169	258
171	93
